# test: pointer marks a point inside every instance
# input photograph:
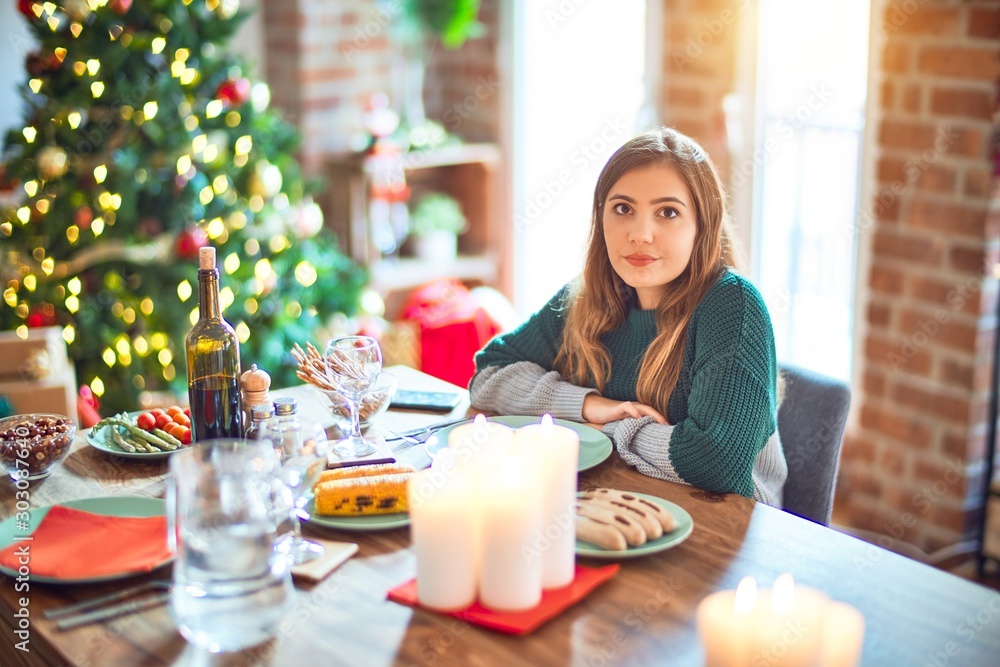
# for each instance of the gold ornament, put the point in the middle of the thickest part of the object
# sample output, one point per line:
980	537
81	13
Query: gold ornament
255	184
78	10
227	9
52	162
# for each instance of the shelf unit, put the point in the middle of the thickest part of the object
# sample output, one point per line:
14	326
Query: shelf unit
470	173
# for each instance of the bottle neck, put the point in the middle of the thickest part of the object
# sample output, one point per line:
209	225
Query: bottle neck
208	294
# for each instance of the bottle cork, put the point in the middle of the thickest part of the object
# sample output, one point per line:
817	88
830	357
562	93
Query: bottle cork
206	258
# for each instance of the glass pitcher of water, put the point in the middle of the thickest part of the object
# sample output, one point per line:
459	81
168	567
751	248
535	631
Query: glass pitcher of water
232	586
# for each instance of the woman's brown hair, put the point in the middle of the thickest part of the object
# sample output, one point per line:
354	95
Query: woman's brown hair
598	300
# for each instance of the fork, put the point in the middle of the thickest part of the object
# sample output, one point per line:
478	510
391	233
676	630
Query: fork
408	440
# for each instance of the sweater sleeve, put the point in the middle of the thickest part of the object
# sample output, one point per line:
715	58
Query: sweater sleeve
537	340
731	406
514	373
525	388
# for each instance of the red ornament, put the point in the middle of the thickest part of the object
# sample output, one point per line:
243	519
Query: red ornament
42	315
87	406
83	217
5	185
189	242
234	92
121	6
24	6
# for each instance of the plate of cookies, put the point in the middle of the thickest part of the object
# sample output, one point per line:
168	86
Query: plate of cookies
613	525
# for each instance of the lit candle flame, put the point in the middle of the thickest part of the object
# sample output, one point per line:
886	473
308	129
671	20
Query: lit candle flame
546	419
746	596
783	597
480	420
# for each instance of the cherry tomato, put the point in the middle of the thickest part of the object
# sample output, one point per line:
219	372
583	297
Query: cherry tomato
157	411
187	411
146	421
185	435
175	430
175	410
162	421
182	419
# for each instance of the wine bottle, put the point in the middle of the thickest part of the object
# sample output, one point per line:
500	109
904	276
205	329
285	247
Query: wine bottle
213	362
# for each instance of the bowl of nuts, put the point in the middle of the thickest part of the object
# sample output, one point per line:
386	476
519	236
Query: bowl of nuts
31	445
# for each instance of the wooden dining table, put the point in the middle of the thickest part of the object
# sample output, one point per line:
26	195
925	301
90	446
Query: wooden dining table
645	615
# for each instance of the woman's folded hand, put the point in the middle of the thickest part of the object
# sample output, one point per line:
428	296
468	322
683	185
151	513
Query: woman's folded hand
600	410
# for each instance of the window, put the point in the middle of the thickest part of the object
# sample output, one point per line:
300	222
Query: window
810	100
579	86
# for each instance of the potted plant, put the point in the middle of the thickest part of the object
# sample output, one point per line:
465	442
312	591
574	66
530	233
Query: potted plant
435	224
423	23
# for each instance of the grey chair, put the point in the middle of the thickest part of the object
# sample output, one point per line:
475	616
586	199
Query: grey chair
811	422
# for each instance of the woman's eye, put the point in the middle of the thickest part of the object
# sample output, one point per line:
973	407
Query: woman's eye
622	209
669	212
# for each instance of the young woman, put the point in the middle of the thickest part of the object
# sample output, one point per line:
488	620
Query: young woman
658	340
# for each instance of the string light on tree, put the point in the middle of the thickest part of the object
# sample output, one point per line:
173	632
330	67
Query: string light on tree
143	139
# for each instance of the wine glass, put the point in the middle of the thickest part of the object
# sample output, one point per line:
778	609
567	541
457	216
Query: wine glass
353	363
302	451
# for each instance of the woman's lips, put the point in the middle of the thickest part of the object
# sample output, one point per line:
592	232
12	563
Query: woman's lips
639	260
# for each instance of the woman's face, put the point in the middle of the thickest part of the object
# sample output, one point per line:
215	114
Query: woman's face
649	228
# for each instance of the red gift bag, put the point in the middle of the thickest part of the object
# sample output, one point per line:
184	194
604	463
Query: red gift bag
453	327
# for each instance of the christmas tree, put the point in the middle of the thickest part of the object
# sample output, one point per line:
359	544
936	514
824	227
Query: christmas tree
143	140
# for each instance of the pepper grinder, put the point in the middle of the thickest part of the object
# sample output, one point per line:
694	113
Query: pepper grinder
255	385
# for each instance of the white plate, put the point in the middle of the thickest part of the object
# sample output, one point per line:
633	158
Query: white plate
122	506
595	447
364	523
685	524
100	438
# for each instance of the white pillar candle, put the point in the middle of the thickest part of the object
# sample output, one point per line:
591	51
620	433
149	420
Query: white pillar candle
724	624
444	528
789	626
554	452
482	443
510	503
843	635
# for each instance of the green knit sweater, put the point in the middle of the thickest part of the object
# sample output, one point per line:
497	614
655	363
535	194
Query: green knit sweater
723	411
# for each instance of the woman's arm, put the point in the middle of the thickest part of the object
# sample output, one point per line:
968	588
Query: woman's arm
525	388
731	402
514	371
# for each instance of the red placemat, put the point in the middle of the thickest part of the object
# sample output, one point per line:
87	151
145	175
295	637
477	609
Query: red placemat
522	622
73	544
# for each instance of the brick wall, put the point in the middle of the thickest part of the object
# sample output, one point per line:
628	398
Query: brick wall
463	88
325	58
913	463
699	64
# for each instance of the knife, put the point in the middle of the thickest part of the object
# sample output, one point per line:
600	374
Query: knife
129	607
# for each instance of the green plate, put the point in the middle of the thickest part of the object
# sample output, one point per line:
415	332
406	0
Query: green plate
595	447
124	506
100	438
685	524
368	523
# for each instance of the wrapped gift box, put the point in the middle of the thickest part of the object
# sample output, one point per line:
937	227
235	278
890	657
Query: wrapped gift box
35	372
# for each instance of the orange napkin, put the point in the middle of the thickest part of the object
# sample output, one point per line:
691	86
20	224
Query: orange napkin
71	544
522	622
